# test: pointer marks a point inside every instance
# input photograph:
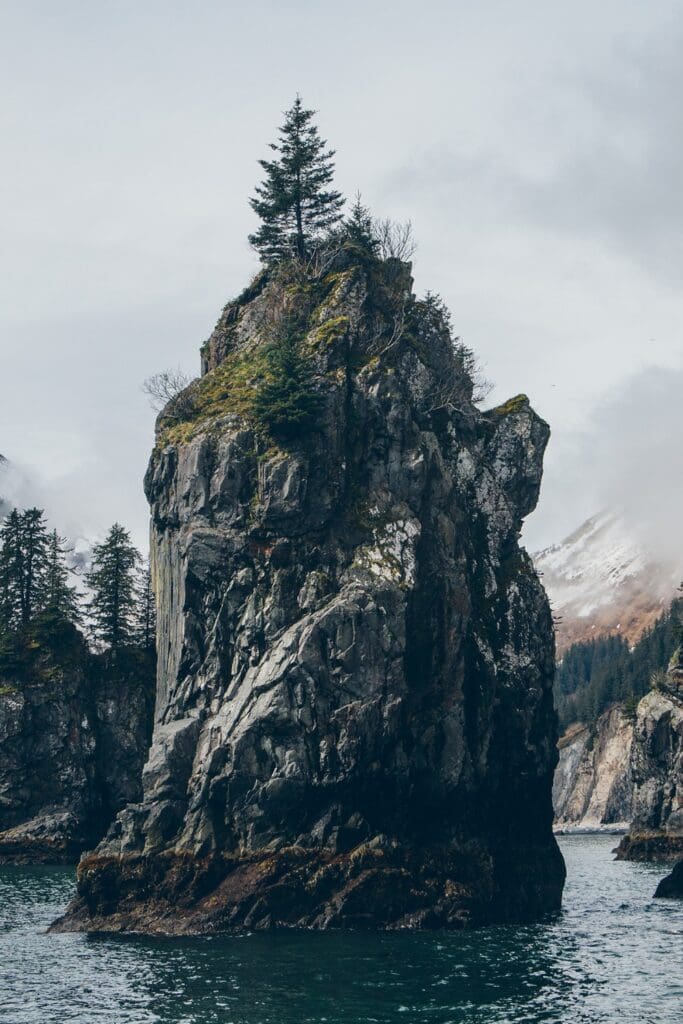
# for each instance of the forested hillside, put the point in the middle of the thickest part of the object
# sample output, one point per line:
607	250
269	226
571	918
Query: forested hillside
595	674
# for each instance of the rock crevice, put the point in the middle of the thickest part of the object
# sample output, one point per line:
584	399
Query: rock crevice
354	705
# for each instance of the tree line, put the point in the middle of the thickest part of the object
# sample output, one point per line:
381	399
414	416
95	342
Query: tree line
597	673
42	612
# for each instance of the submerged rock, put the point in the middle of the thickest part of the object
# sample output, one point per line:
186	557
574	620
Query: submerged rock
671	887
355	724
593	786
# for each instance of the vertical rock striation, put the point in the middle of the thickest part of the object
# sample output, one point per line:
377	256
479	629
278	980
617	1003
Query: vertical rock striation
593	787
355	724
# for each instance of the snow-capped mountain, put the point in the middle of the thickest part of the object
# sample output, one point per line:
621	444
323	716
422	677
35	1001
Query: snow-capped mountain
601	579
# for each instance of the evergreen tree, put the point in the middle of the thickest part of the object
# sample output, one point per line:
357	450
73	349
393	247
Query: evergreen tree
145	612
359	228
592	675
60	599
295	202
35	546
112	580
11	571
23	566
286	403
630	708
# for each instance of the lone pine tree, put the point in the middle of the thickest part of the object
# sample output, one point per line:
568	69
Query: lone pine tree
295	203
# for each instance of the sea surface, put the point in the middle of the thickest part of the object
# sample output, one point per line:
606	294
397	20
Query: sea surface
614	954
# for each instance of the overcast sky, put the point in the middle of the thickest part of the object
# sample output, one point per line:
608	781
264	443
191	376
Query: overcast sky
536	146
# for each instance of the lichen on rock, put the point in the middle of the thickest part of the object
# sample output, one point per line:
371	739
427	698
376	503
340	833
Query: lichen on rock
355	724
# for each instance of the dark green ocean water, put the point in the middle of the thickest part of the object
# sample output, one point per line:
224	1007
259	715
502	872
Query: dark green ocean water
614	954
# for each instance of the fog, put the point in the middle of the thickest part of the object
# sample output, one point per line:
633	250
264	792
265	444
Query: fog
536	148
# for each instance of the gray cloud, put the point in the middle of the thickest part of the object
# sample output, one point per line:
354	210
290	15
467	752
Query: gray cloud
535	147
628	456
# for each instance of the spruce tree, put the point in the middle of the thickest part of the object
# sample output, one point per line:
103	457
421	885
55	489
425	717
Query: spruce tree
60	599
286	403
359	228
11	571
35	544
112	580
295	202
23	566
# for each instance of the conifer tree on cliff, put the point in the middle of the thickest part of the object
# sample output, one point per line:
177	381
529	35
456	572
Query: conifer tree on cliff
23	564
112	580
295	202
286	404
60	598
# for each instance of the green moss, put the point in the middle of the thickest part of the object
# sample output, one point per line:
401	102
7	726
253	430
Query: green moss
6	690
228	389
329	291
328	332
516	404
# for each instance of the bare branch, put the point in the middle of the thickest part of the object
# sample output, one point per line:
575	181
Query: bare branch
395	239
169	390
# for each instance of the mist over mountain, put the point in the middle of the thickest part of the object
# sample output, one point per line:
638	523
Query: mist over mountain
603	579
627	459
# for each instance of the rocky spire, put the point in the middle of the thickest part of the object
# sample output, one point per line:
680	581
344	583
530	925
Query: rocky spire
354	711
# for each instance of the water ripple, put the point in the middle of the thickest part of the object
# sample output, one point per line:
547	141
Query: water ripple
614	954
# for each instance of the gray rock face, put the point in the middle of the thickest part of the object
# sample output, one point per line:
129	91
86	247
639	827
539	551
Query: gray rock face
657	765
354	705
71	755
593	785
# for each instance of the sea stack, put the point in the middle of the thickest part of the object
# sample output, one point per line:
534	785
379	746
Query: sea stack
656	832
354	714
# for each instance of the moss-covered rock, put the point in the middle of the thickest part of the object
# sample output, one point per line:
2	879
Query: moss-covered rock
355	723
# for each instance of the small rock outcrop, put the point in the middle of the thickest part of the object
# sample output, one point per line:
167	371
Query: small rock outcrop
355	724
656	831
671	887
71	756
593	786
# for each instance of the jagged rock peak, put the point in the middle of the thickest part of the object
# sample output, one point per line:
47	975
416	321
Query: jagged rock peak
354	708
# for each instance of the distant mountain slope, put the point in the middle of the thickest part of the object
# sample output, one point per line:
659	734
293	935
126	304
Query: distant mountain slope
601	580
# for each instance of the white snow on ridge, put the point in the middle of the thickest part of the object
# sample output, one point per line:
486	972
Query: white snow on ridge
602	575
593	562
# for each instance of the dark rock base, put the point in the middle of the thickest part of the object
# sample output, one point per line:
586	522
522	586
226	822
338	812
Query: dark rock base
655	847
671	887
372	887
56	838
